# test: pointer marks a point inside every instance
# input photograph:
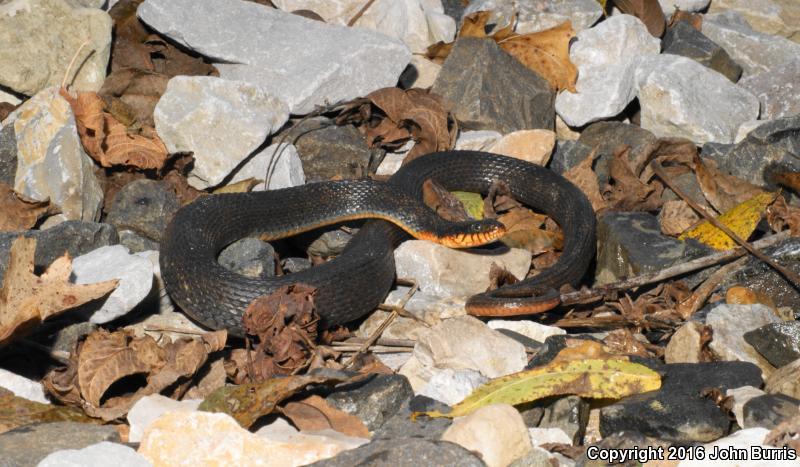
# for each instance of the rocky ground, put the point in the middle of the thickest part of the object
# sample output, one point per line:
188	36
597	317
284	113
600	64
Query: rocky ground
115	114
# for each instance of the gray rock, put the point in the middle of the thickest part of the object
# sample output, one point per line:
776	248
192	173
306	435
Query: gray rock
23	387
250	257
26	446
740	397
135	242
400	425
730	322
681	98
135	275
537	15
292	264
220	121
145	207
96	455
373	401
73	237
769	410
570	414
778	90
785	380
568	154
66	337
779	343
8	155
328	150
778	17
280	165
483	99
685	5
403	452
683	39
622	440
40	38
320	63
606	57
330	243
756	52
631	243
607	137
454	8
51	162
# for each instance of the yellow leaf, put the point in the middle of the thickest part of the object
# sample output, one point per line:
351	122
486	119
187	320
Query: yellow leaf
595	378
239	187
473	203
741	219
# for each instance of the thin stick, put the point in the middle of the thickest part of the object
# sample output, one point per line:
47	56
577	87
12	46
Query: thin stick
792	276
360	13
72	62
585	296
689	306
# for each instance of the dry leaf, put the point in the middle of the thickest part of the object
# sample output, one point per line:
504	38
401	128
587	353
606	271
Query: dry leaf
18	411
622	342
628	192
525	229
723	191
582	176
547	53
444	203
742	220
676	216
694	19
27	299
781	216
649	11
314	414
18	212
131	95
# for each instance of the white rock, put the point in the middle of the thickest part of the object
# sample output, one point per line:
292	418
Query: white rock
390	164
96	455
606	56
740	397
400	327
763	15
441	27
135	275
427	71
51	162
303	62
220	121
668	6
447	272
281	432
394	360
10	98
541	436
479	140
23	387
536	331
746	127
537	15
534	146
756	52
778	90
746	440
332	11
405	20
149	408
730	322
509	438
452	386
428	308
681	98
287	171
39	39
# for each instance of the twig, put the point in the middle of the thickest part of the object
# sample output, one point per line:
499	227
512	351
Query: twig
72	62
360	13
792	276
689	306
381	341
374	349
192	332
585	296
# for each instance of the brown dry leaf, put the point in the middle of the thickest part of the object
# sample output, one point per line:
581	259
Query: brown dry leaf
694	19
787	178
27	299
500	276
131	95
582	349
676	217
243	186
314	414
739	295
546	53
623	342
18	411
105	358
781	216
444	203
584	178
723	191
649	11
18	212
787	434
626	191
5	109
525	229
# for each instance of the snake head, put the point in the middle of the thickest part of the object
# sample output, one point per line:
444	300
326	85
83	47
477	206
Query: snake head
470	234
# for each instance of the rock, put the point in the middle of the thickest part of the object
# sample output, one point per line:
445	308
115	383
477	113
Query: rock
285	172
480	140
539	457
292	265
533	146
373	401
482	99
606	57
401	424
568	154
329	151
202	438
669	6
320	63
43	36
281	432
631	243
683	39
677	412
769	410
330	243
250	257
390	164
607	137
452	386
779	343
743	443
149	408
785	380
541	436
570	414
426	307
399	328
73	237
681	98
404	452
730	322
406	20
27	445
135	275
66	337
51	162
685	345
765	16
96	455
420	73
23	387
623	440
145	207
538	15
777	90
740	397
756	52
745	129
220	121
443	271
8	155
509	439
531	329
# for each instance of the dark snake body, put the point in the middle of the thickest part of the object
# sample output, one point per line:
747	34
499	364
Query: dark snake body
353	284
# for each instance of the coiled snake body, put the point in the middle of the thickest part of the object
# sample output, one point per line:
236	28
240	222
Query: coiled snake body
353	284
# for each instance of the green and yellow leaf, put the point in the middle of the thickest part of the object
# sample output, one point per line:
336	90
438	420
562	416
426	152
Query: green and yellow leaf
473	203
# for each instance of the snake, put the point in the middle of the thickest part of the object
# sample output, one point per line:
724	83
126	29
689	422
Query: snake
354	283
